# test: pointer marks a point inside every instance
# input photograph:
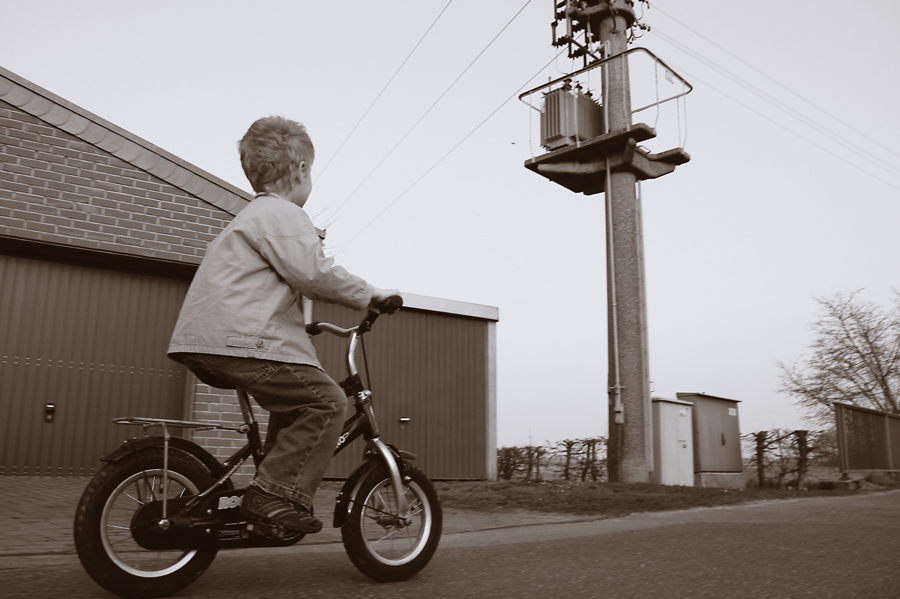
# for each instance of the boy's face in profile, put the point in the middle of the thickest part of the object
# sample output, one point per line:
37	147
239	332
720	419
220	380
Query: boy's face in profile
302	187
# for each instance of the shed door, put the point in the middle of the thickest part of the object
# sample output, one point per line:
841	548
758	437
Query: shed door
91	342
717	436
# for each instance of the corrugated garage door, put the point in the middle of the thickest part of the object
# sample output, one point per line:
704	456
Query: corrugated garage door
91	342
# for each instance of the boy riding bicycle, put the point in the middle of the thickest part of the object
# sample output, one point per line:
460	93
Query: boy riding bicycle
242	324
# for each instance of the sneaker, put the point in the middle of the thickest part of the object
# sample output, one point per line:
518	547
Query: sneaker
275	516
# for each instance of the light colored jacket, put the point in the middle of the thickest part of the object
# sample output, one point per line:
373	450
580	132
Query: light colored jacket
246	298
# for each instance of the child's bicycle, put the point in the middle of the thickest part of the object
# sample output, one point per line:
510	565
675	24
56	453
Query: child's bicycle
152	519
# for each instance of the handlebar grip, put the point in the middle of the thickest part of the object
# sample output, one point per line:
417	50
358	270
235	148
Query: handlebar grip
387	306
390	305
313	329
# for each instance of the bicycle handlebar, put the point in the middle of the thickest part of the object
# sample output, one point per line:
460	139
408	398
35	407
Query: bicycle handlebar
388	306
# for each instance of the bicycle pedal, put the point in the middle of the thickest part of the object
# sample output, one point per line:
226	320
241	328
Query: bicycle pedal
266	530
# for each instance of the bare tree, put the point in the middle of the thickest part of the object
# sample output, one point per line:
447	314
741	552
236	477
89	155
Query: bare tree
823	448
801	444
781	456
759	456
566	449
509	462
779	453
855	359
591	460
533	456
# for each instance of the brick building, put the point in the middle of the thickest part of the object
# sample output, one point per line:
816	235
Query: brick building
100	234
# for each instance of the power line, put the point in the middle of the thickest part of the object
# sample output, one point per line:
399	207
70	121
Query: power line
789	90
386	85
779	104
789	130
430	108
453	149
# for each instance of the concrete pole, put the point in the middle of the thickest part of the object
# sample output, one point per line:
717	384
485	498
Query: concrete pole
630	427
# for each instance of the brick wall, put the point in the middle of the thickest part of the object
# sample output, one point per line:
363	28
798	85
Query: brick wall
219	406
56	188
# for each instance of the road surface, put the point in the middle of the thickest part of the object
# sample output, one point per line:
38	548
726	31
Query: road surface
831	546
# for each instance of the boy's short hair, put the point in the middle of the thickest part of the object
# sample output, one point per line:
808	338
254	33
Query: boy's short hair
272	149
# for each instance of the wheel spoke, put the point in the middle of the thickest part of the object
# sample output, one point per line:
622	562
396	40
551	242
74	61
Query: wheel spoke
135	499
381	502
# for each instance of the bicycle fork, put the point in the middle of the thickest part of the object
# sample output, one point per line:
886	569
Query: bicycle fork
375	444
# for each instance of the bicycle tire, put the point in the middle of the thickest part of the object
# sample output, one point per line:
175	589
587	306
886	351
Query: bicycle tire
102	533
375	542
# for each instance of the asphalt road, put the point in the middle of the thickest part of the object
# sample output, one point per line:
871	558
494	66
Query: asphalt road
834	546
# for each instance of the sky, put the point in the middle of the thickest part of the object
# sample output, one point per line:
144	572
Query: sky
792	192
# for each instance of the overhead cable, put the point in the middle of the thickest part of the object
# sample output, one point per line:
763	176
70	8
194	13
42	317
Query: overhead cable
788	129
430	108
386	85
767	76
453	149
781	105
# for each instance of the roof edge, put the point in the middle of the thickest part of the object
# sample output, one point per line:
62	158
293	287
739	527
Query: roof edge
446	306
680	395
657	399
87	126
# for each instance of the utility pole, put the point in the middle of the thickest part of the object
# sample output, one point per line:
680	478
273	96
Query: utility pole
588	157
630	450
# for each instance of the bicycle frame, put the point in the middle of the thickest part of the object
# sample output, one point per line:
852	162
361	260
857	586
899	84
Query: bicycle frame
362	423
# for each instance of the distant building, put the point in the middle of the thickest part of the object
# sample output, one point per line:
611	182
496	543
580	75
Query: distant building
100	235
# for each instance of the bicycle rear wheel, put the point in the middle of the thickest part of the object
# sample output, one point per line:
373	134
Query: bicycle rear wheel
378	543
103	520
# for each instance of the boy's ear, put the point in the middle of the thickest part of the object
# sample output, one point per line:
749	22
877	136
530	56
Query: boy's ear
303	171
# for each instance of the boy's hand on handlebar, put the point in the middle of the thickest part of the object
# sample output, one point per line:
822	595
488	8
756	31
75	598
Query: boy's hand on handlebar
382	302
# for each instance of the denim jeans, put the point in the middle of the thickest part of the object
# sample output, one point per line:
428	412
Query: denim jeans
306	415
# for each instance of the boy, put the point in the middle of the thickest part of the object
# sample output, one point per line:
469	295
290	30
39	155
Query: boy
242	324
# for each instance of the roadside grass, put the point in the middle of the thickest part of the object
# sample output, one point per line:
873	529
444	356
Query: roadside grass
614	499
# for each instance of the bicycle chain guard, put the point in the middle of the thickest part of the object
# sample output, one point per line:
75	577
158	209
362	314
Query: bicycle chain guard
215	523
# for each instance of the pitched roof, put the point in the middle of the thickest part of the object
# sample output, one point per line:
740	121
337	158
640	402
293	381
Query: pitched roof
42	104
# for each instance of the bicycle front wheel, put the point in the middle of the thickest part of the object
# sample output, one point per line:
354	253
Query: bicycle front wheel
103	519
378	542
